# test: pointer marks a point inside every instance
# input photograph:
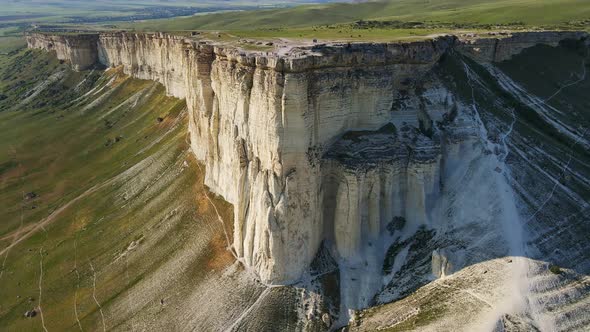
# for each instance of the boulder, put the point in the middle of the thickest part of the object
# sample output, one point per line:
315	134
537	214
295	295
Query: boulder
31	313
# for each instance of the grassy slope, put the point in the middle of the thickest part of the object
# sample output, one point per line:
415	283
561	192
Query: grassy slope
11	39
531	12
116	201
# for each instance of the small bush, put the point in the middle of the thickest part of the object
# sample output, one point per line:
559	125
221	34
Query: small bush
555	269
396	224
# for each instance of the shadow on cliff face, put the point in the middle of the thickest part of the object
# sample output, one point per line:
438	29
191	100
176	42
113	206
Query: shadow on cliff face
548	156
504	246
533	120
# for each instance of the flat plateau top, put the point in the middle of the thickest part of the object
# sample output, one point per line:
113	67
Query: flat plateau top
294	47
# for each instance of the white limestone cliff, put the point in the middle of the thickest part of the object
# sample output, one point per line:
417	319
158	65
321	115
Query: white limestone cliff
269	130
79	50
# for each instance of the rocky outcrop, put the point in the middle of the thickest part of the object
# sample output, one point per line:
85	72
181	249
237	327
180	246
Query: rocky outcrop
371	178
506	45
79	50
270	127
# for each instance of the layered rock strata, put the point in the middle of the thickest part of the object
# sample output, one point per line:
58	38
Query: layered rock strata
371	178
509	44
269	129
81	51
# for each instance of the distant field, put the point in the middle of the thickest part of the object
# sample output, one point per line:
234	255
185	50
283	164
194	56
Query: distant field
11	39
9	44
473	13
379	20
71	11
18	15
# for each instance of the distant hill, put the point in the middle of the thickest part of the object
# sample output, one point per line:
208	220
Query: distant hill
474	12
82	11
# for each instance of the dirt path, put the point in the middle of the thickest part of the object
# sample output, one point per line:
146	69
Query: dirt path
546	100
561	174
77	283
94	296
32	229
227	238
130	299
41	289
244	314
18	231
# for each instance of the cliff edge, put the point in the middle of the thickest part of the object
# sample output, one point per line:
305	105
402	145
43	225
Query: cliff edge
269	127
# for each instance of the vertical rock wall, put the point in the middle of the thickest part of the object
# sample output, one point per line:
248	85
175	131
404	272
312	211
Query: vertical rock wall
79	50
263	123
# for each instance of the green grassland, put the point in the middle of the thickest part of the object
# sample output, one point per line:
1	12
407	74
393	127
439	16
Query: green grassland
379	20
11	43
61	11
11	39
98	191
531	12
338	32
326	21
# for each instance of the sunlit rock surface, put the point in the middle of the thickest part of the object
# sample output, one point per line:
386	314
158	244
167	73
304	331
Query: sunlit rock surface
79	50
392	164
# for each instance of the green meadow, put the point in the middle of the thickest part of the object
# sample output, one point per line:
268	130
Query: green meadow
443	14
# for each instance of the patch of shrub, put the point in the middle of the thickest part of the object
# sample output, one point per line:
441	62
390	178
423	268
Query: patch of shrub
555	269
396	224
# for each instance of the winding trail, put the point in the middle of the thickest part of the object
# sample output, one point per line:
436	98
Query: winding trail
505	136
94	295
77	283
127	279
32	229
564	169
229	246
465	291
129	299
14	236
539	105
22	212
544	101
481	299
41	289
267	289
246	312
